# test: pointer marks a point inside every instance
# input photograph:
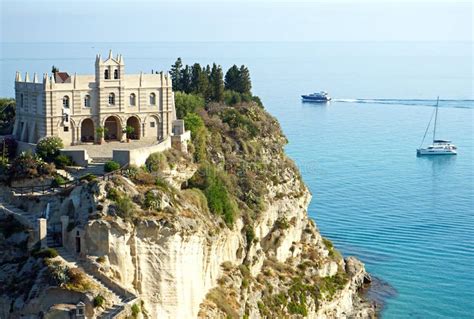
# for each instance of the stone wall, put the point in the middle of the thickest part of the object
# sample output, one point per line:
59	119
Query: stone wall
138	156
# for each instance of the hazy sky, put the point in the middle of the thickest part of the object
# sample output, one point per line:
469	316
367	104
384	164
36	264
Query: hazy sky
245	20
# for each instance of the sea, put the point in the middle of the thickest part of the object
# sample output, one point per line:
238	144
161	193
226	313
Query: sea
409	219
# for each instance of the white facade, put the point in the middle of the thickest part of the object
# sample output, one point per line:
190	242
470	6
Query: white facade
73	107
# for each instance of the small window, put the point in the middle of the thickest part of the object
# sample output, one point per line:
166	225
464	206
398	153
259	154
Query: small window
116	74
87	101
66	102
66	129
133	99
112	99
80	311
152	124
106	74
152	99
22	100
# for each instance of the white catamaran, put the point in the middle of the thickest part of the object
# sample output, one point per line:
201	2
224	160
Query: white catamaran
438	147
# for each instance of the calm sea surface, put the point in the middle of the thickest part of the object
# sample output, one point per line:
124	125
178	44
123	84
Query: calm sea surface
411	220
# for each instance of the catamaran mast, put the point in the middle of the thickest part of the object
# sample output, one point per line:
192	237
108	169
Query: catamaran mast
436	120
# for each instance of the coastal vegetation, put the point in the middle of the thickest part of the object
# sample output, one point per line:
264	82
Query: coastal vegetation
7	115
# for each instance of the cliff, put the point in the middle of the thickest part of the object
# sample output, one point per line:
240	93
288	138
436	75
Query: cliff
220	233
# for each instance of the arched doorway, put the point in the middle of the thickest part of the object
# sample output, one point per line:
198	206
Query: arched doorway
134	123
87	130
156	126
113	129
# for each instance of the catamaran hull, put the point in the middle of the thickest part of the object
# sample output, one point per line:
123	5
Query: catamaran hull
435	152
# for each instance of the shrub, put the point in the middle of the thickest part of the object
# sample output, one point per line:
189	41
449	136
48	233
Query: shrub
78	280
113	194
62	161
152	200
88	177
99	301
135	310
124	206
144	178
27	165
45	253
48	148
249	235
111	166
100	259
58	181
187	103
213	184
193	122
156	162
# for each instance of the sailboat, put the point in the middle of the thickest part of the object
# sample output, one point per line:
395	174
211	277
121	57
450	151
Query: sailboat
438	147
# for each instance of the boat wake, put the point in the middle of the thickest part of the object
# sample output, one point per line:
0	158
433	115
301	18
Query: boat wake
419	102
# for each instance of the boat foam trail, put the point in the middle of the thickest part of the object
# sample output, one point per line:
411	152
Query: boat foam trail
461	103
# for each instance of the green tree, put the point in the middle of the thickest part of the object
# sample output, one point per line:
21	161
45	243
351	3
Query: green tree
187	103
193	122
232	79
199	80
186	76
245	84
216	83
176	75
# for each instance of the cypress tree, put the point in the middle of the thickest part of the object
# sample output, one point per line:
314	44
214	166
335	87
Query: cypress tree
216	83
245	84
176	70
186	75
232	79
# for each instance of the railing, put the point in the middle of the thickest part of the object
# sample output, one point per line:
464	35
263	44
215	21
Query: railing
50	189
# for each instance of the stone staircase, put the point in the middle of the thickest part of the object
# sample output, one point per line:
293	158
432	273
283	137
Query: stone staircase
119	299
26	218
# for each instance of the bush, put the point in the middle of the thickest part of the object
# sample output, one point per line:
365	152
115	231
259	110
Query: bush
213	184
88	177
45	253
125	207
62	161
111	166
156	162
193	122
48	148
99	301
135	310
100	259
27	165
187	103
58	181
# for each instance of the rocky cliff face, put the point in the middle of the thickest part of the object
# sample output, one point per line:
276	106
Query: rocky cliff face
185	262
221	233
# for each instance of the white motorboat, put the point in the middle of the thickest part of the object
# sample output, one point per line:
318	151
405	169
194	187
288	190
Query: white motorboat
438	147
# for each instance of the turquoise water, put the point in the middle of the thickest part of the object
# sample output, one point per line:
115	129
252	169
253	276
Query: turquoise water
409	219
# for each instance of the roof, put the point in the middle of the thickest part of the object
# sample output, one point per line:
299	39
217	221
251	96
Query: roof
62	77
441	141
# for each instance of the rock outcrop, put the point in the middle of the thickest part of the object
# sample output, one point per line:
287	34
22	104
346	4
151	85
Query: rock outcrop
251	252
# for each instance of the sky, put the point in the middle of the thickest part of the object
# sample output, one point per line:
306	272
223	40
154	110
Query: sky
244	20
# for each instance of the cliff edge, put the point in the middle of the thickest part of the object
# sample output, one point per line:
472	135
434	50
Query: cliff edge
221	232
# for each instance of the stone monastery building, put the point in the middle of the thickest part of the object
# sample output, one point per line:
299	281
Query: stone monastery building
74	106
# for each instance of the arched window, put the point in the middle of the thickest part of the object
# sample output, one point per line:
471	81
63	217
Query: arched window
152	99
133	99
22	100
106	74
87	100
116	75
66	101
111	99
